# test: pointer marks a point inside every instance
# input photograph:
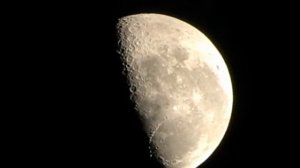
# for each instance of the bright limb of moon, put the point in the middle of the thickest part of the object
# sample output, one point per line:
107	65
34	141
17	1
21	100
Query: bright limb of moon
180	85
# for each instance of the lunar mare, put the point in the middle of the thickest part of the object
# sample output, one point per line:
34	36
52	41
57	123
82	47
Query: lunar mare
180	85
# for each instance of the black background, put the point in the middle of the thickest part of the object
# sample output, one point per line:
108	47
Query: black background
75	100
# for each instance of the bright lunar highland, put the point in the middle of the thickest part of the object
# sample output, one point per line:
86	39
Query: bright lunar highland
180	86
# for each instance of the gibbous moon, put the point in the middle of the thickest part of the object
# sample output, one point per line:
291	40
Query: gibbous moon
180	85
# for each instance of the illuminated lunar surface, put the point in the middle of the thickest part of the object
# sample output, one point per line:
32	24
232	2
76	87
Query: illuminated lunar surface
180	85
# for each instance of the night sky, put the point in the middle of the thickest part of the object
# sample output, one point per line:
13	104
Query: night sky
84	115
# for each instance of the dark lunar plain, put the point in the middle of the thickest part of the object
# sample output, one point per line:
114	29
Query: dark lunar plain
76	109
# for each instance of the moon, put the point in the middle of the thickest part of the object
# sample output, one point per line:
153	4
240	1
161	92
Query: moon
180	86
